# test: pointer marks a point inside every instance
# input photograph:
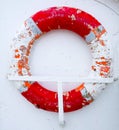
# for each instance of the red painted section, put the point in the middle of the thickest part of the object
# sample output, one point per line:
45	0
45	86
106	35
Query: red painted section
67	18
48	100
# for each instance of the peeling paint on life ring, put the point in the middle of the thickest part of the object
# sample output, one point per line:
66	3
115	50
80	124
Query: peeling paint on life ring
74	20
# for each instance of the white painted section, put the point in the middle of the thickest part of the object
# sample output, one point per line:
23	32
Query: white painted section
60	103
61	79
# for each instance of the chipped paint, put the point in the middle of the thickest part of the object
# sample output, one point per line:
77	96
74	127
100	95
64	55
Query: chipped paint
96	38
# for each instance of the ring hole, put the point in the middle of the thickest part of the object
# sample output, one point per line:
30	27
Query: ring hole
60	53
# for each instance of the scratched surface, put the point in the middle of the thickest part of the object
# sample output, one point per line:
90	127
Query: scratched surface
15	112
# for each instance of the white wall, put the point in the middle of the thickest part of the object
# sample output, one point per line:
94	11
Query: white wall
18	114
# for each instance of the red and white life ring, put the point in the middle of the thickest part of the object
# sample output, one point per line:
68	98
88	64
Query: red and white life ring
74	20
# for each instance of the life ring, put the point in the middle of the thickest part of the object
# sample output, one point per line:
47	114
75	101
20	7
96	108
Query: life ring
74	20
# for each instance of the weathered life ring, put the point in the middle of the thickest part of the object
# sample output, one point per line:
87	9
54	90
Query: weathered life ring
77	21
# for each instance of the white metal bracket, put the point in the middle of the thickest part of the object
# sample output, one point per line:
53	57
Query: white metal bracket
59	81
